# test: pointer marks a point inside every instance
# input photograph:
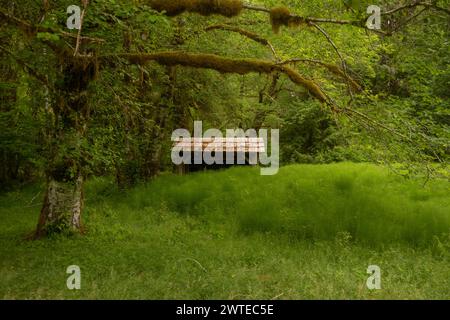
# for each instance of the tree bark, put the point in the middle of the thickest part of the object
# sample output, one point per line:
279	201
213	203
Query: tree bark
63	205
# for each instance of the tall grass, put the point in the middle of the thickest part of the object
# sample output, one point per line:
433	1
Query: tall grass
366	202
237	235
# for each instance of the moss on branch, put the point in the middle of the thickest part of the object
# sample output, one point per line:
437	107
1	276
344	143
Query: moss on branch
226	65
281	16
227	8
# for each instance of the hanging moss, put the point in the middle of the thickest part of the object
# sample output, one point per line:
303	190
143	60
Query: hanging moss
171	8
227	8
281	16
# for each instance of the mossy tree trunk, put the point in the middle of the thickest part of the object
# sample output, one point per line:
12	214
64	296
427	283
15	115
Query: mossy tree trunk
63	203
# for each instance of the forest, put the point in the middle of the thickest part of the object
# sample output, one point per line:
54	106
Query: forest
93	91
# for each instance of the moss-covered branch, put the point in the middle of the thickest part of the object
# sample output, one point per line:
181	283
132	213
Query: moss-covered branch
279	16
224	65
227	8
330	67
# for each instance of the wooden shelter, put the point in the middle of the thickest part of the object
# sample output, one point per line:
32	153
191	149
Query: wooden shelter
237	148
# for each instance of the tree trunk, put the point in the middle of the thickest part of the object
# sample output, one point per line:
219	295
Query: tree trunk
63	203
62	207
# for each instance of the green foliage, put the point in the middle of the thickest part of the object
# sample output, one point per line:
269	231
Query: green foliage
307	133
47	36
133	109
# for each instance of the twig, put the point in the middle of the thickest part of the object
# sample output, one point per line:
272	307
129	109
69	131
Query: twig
374	122
24	25
331	67
408	20
251	35
416	4
344	64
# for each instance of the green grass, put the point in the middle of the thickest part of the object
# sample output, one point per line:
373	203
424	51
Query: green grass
309	232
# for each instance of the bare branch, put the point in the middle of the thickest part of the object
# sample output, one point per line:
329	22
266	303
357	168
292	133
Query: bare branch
417	4
330	67
343	62
349	112
245	33
26	67
32	29
83	13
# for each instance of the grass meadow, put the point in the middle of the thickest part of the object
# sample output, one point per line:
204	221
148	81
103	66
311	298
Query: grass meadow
309	232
